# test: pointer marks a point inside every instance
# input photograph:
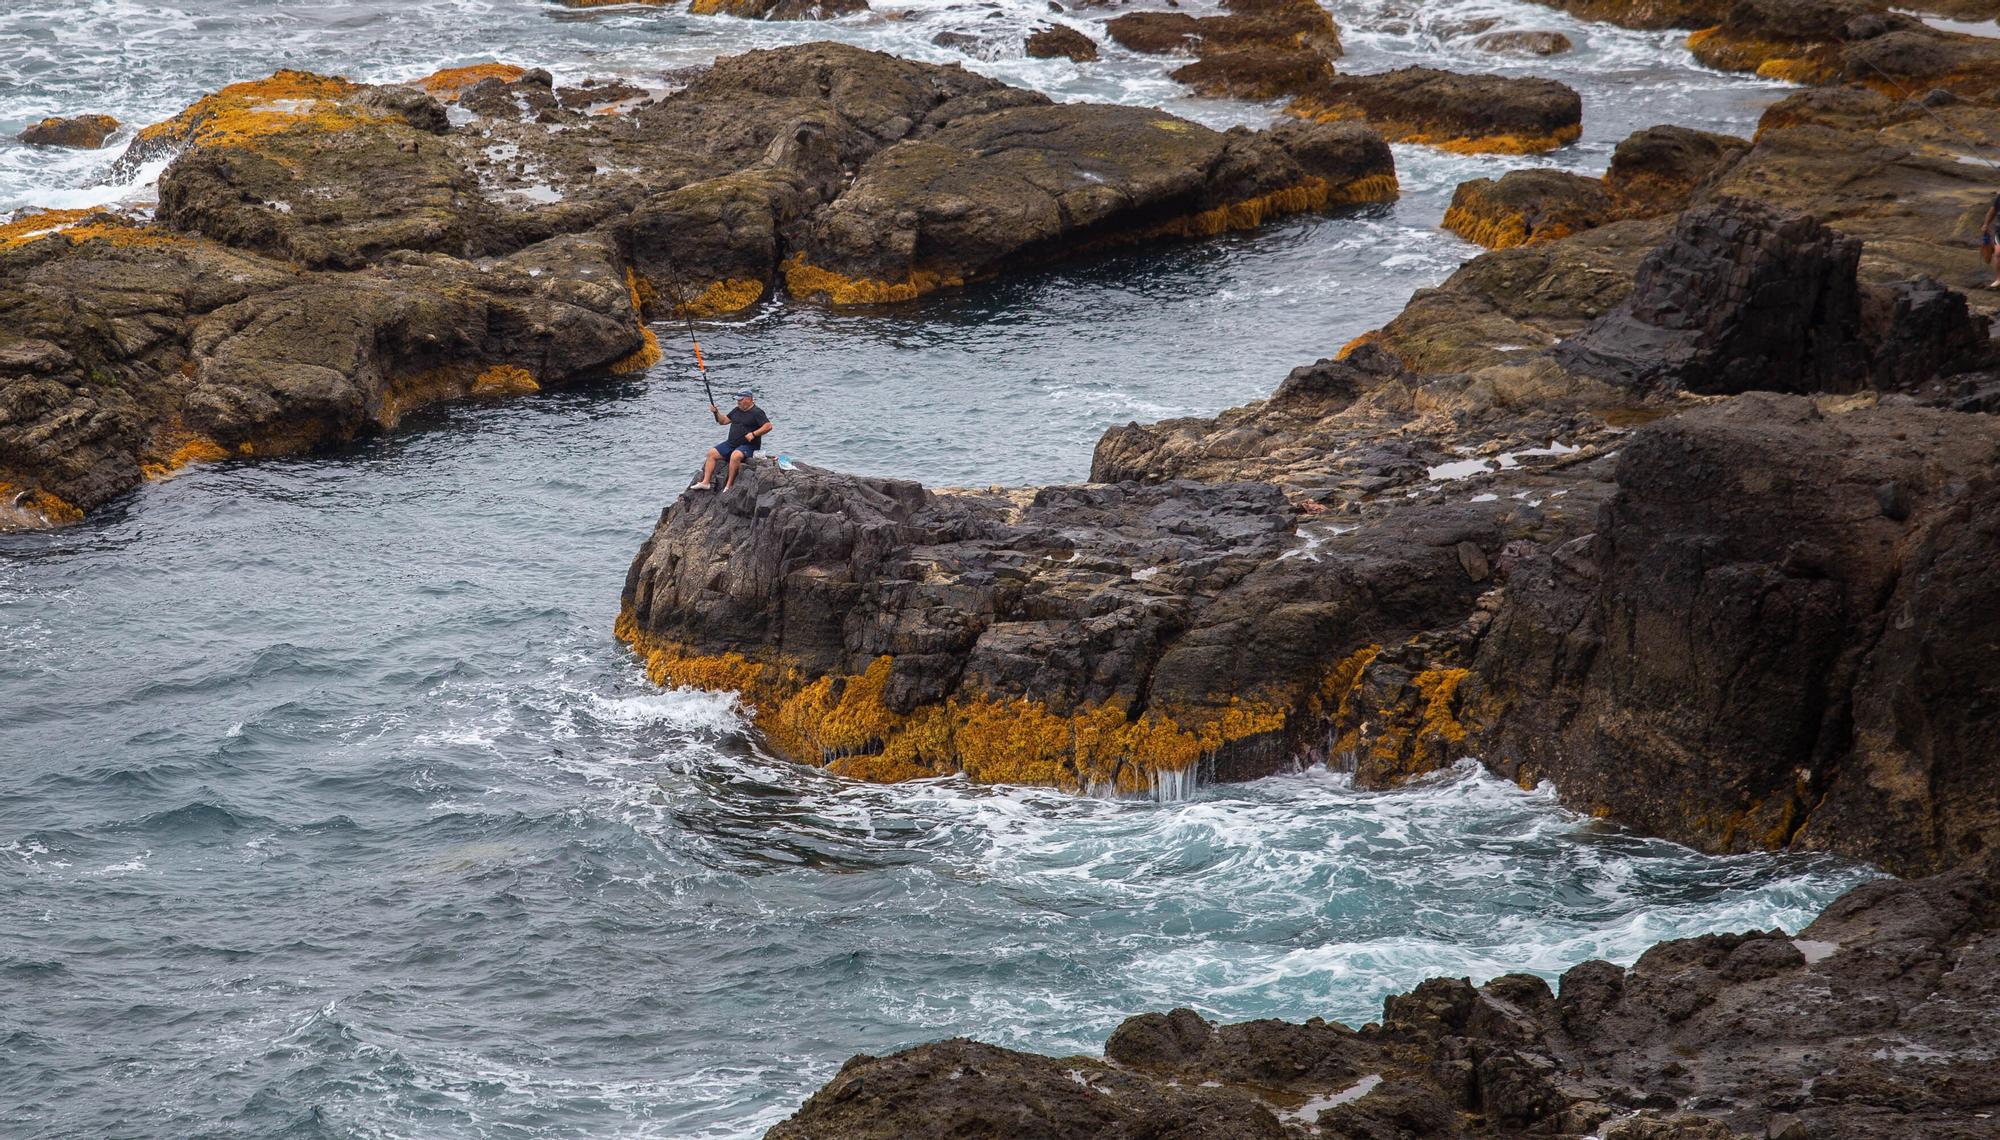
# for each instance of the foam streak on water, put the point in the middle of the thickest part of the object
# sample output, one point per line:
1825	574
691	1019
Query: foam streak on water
328	806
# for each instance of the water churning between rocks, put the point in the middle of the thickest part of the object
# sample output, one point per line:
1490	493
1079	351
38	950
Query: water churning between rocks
330	807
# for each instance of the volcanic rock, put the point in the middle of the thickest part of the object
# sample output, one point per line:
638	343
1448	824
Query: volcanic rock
1744	296
1875	1022
1853	41
1654	171
83	132
1467	114
1527	206
1780	635
1258	49
1648	15
985	192
1060	42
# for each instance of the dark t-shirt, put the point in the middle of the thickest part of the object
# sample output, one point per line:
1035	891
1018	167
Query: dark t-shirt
743	421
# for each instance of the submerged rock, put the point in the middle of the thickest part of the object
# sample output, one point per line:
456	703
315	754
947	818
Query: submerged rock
1466	114
1874	1023
1525	42
1060	42
83	132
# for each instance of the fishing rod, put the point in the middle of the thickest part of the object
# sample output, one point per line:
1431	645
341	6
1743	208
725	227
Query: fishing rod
687	314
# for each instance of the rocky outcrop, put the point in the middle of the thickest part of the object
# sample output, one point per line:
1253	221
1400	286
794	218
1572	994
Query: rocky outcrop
1778	636
1647	15
1653	172
1876	1022
1257	49
1058	41
1847	41
1466	114
992	191
83	132
1744	296
327	254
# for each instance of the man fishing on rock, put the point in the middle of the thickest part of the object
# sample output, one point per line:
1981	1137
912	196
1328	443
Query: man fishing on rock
747	426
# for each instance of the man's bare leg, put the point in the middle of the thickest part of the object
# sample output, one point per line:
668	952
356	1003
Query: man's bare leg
707	472
735	465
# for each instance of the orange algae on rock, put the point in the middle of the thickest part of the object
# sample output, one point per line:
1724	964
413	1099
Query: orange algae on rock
39	224
195	449
805	280
641	358
53	509
242	112
505	380
1249	213
451	82
1791	61
720	298
843	723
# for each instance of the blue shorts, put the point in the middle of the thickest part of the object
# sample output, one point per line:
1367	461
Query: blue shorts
749	450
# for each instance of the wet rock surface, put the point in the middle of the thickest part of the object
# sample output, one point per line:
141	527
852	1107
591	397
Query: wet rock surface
1471	114
1876	1021
327	254
1257	49
82	132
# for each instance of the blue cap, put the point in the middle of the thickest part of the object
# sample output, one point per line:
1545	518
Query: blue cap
743	392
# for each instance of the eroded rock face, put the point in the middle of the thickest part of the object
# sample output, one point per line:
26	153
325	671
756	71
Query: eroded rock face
1874	1023
1744	296
1468	114
327	254
1731	659
83	132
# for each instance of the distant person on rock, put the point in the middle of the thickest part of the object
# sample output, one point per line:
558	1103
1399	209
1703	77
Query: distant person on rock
747	425
1989	234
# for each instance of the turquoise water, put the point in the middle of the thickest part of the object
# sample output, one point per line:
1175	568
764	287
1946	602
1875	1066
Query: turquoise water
330	808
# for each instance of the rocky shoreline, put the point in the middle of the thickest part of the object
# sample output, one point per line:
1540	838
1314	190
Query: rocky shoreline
1681	499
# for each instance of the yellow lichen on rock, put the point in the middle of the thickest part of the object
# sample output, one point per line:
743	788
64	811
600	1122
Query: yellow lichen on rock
1427	134
451	82
805	280
1790	61
1439	688
1504	232
505	380
243	112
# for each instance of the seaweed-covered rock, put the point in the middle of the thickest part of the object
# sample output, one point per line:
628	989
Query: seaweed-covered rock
1523	207
1257	49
